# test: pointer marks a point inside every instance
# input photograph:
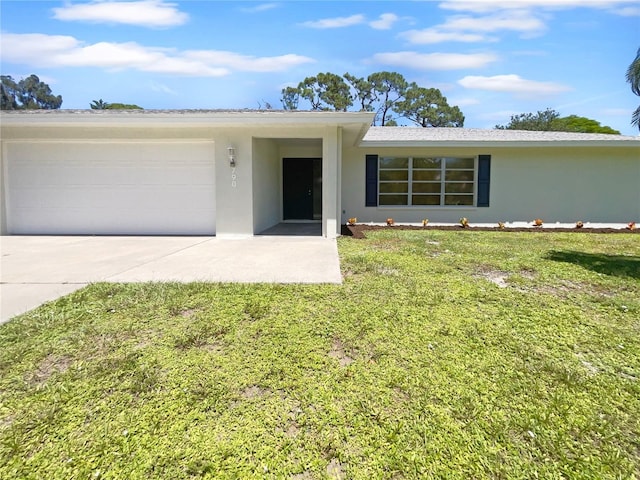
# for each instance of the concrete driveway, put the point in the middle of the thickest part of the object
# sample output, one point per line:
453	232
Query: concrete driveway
35	269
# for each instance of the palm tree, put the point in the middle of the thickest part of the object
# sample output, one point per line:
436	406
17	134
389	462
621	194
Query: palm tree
633	77
99	105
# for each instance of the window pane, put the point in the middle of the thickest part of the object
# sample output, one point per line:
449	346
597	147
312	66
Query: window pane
394	187
459	163
427	162
393	199
387	175
458	199
458	188
391	162
433	175
459	175
425	199
427	187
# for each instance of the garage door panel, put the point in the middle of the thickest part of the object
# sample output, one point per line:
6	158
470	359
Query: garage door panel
144	188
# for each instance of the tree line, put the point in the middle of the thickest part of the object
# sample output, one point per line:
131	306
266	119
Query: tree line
388	94
27	94
550	120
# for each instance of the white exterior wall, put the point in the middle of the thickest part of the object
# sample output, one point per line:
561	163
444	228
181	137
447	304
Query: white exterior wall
3	203
267	199
248	197
331	177
556	184
234	195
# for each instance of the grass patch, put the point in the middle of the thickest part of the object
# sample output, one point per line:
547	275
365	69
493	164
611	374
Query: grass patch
443	355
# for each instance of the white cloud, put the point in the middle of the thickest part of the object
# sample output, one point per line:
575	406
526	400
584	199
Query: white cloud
627	11
247	63
464	102
337	22
263	7
518	21
434	35
470	29
618	112
145	13
41	50
161	88
435	61
385	22
483	6
512	84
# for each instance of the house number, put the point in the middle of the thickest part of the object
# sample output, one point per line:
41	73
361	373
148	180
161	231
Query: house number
233	177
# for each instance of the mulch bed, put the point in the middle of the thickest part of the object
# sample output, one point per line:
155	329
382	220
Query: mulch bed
359	230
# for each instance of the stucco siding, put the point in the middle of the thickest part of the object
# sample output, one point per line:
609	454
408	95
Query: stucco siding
566	185
266	184
556	184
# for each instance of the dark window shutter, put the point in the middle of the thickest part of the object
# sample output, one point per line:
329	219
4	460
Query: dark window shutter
484	178
371	195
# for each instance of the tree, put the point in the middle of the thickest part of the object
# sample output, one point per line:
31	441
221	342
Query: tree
325	91
550	121
365	93
27	94
389	88
99	105
427	107
8	93
574	123
633	77
386	93
122	106
290	98
540	121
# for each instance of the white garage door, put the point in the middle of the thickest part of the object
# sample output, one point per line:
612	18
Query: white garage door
110	188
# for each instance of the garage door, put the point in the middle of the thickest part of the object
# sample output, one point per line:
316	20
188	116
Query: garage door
110	188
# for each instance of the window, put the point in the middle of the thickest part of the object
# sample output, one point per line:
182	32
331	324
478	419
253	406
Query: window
426	181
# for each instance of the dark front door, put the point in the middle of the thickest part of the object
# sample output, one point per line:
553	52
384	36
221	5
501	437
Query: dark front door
302	188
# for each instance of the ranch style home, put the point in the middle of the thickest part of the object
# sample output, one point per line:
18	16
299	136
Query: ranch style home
237	173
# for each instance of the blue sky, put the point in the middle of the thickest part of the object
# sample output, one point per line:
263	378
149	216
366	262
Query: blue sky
491	58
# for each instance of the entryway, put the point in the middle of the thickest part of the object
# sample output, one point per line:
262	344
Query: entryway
296	229
302	189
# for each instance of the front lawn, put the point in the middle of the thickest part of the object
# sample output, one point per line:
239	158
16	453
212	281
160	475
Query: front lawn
444	354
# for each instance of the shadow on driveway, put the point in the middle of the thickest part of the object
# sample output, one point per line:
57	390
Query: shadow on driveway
614	265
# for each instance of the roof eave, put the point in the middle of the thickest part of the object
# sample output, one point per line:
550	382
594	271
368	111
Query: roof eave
187	118
496	144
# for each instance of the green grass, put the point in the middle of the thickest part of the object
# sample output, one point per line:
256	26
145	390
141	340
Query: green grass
443	355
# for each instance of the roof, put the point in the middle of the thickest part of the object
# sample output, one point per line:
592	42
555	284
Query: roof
63	117
354	124
412	136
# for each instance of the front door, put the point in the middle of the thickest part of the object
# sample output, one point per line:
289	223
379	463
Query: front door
302	188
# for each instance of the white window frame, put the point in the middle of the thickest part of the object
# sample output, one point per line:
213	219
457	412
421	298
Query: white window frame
442	182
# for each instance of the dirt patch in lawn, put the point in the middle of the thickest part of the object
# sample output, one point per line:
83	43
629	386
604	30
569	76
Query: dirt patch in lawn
496	277
339	353
49	366
360	230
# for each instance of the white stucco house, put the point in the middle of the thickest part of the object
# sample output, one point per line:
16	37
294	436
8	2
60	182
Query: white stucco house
237	173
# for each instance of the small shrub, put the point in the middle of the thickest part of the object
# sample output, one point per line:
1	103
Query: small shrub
352	221
464	222
390	222
579	224
631	226
425	222
538	222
